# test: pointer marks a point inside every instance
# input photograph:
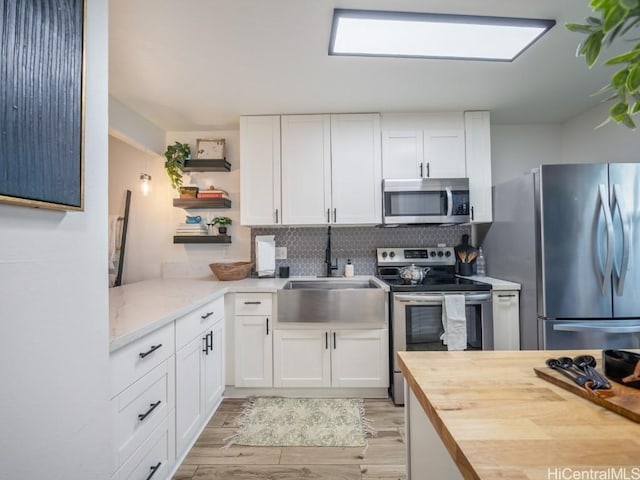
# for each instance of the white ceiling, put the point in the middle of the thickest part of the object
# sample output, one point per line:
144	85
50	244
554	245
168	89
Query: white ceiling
199	64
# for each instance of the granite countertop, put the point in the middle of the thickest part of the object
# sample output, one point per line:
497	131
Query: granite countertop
499	420
137	309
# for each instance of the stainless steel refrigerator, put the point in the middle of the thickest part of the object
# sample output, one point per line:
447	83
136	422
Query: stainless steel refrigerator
570	235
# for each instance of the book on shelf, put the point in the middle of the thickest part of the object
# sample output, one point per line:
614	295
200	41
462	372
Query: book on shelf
212	194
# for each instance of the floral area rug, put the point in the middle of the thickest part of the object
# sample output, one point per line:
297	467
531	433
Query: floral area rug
303	422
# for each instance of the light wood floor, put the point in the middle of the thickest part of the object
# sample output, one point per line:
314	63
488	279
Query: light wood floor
384	459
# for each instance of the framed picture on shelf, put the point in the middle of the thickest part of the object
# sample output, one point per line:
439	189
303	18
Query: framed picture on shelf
210	149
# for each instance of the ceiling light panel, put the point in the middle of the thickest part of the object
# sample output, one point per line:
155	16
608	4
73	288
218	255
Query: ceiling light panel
425	35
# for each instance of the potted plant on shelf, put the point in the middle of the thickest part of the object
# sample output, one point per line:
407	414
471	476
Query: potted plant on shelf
222	222
176	155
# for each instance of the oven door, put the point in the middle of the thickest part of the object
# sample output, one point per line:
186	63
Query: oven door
417	325
417	322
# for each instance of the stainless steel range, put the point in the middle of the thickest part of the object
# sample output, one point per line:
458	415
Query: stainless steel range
418	279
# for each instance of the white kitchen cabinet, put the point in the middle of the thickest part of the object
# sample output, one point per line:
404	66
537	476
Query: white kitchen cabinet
199	370
301	358
336	358
253	340
478	152
429	145
506	320
306	169
143	398
356	169
360	358
260	202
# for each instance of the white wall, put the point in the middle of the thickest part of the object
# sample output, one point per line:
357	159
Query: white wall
131	127
150	228
54	375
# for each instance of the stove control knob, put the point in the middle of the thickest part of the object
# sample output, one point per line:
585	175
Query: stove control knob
384	254
392	254
440	253
447	253
432	253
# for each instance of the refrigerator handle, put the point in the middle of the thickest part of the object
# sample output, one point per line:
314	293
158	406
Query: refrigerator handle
564	327
624	264
608	264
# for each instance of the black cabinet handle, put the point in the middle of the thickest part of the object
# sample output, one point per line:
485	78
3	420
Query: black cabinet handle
421	174
150	351
335	215
501	295
276	215
326	340
471	213
210	341
334	340
152	407
267	325
154	470
252	303
428	172
328	215
206	315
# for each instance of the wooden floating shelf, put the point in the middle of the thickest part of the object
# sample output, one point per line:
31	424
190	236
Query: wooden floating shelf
202	202
201	239
207	165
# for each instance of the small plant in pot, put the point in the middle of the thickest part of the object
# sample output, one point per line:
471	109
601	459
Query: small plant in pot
222	222
176	155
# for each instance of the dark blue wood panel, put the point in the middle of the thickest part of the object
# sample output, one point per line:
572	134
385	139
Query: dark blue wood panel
41	102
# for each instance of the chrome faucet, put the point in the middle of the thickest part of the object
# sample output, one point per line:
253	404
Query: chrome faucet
327	255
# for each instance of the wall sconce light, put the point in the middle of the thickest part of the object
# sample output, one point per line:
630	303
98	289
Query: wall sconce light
145	186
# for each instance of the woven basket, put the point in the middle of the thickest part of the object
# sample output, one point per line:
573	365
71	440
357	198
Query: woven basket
231	271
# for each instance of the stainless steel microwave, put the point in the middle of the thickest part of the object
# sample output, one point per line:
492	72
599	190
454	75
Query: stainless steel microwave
425	200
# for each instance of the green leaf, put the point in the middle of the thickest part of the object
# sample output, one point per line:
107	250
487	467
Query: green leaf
576	27
594	21
613	17
619	78
592	48
628	122
633	78
629	4
635	108
618	111
632	56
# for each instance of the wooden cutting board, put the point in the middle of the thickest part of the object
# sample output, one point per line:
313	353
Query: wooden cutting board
625	401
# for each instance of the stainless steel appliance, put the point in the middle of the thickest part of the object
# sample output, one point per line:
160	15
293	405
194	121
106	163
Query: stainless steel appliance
416	308
570	235
425	200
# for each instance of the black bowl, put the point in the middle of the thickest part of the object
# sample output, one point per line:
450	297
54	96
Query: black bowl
622	367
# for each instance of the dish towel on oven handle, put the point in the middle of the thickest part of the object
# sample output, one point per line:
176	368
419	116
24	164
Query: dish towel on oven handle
454	322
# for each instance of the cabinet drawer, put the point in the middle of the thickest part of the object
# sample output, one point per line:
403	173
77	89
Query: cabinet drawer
153	460
141	408
253	304
200	319
138	358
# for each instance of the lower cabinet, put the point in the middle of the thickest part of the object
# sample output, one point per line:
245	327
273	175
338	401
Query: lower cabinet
331	358
253	345
506	320
199	383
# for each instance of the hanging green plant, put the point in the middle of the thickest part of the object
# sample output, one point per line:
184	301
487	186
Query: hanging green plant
615	20
176	154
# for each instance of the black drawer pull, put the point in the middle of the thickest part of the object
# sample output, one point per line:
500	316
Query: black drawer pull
205	348
506	296
154	470
152	407
252	303
151	350
267	326
206	315
210	341
334	340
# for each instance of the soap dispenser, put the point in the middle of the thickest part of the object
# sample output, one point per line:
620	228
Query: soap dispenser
348	269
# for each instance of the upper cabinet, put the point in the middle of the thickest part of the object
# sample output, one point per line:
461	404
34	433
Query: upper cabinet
478	151
260	170
330	171
441	145
423	145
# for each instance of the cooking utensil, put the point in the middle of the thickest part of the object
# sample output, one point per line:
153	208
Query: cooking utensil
413	273
587	363
462	255
557	365
471	257
622	367
569	364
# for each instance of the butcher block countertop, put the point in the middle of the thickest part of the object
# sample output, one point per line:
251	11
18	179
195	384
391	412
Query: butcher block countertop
498	420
